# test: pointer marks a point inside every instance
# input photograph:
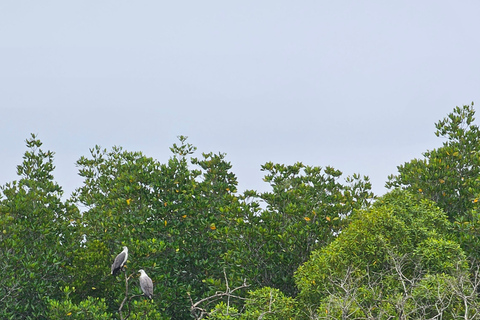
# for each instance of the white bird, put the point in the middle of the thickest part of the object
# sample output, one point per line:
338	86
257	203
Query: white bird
146	284
120	261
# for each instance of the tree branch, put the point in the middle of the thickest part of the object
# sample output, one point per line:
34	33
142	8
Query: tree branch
199	312
126	297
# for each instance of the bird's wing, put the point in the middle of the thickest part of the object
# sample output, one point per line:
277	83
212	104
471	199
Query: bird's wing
118	261
147	285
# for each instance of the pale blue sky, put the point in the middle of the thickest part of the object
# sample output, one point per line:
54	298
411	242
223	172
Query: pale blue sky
357	85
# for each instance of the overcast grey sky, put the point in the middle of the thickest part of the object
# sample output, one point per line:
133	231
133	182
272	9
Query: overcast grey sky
357	85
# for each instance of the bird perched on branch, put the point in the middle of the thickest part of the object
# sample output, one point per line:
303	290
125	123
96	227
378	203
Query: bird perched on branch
120	261
146	284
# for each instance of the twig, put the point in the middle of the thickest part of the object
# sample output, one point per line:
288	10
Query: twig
218	295
126	297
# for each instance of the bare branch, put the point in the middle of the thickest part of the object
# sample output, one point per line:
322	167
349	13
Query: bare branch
126	297
200	312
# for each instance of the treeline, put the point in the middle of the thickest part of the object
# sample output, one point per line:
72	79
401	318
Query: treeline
316	246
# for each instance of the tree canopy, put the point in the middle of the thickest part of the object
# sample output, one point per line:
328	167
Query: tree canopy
317	245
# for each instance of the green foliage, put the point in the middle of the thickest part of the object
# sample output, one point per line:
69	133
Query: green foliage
269	304
449	175
89	271
440	255
399	238
37	231
266	303
312	247
145	310
305	210
173	219
91	308
222	311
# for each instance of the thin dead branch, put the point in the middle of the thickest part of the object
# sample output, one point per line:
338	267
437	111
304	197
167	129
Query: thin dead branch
199	308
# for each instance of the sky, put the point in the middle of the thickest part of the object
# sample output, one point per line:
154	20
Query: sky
357	85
